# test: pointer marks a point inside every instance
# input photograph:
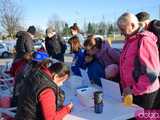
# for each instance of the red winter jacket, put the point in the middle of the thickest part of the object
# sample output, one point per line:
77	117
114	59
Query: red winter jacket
148	56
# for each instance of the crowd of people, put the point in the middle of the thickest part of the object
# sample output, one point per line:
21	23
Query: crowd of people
37	92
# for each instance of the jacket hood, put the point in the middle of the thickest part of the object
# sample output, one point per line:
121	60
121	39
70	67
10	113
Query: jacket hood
20	34
150	34
144	34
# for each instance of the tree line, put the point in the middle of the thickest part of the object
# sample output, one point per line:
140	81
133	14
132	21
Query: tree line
11	21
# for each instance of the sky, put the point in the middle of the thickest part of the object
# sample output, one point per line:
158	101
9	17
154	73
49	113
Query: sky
38	12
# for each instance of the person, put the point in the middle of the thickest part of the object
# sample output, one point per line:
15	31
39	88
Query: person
139	63
19	64
24	42
75	31
82	60
154	26
20	70
79	55
41	97
104	54
144	19
55	46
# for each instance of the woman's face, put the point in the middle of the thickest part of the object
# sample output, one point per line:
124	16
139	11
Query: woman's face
91	51
51	34
73	32
126	28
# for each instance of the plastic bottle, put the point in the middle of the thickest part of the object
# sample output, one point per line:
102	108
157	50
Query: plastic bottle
128	100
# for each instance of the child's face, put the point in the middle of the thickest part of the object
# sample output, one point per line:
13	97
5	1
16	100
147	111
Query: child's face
92	51
60	80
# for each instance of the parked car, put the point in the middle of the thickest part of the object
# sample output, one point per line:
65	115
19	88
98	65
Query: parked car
39	45
4	50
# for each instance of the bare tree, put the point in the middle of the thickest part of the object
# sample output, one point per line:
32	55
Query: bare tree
10	16
57	23
85	27
39	33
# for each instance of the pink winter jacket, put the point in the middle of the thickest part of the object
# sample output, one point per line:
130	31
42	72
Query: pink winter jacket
148	56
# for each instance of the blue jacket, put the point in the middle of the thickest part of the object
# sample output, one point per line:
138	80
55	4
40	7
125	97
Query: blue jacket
79	62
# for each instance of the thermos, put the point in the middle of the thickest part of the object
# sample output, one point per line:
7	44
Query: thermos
98	102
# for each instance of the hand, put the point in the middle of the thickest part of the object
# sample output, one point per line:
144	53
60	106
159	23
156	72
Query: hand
127	91
70	105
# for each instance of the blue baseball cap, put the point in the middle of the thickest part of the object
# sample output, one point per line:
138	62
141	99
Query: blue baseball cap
39	56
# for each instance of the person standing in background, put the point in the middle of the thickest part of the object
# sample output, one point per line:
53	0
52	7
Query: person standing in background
144	19
75	31
24	42
55	46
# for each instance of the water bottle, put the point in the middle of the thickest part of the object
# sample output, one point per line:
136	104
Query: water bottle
98	102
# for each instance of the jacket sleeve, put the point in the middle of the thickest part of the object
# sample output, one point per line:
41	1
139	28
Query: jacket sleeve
47	102
63	44
148	56
28	43
114	54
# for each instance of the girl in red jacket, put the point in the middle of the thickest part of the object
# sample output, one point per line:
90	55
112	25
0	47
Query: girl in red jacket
41	97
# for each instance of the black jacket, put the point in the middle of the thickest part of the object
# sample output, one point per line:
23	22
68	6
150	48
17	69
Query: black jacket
24	43
55	47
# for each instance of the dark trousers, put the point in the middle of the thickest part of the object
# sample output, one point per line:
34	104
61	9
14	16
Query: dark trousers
148	101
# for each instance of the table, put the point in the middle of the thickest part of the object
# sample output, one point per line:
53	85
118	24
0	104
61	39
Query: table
113	109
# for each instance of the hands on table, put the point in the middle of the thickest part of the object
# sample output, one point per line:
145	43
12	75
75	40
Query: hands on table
70	106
